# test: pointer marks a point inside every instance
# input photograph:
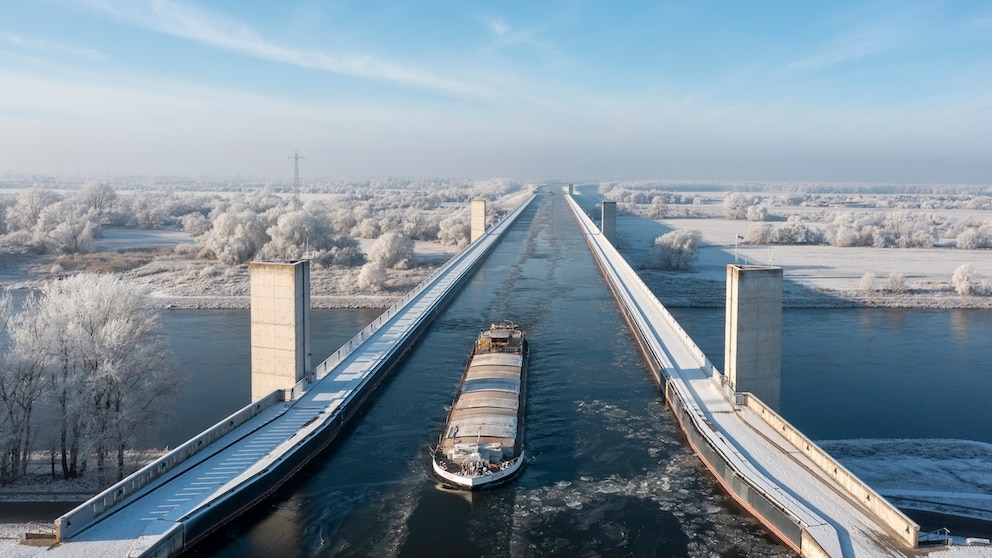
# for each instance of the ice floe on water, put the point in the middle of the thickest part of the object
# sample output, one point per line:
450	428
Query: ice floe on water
663	503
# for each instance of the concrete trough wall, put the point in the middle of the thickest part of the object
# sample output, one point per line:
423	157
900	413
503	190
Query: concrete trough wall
885	513
345	350
178	460
132	486
765	507
232	503
775	516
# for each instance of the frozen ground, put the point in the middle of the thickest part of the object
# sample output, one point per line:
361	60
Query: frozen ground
945	476
815	276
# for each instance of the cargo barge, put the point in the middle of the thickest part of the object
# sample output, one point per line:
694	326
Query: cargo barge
482	442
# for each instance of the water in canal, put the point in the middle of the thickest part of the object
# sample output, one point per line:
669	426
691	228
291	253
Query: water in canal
608	472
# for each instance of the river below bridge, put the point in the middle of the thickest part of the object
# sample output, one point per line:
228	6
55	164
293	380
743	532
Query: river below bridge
608	471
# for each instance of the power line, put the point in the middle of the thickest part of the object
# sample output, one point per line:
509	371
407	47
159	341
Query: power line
296	178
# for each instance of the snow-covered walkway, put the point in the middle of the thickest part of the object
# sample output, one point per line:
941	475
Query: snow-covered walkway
818	505
229	475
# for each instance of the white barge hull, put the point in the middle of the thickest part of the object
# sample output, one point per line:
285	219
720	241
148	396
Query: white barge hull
481	480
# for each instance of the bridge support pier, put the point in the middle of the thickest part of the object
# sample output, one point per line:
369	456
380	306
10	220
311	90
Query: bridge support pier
753	339
608	224
280	325
478	219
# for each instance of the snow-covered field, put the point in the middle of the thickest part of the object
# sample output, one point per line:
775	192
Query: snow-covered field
815	276
945	476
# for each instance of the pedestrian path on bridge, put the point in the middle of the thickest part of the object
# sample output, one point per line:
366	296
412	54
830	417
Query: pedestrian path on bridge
173	511
819	511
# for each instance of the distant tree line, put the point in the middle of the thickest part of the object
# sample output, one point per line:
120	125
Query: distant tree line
236	228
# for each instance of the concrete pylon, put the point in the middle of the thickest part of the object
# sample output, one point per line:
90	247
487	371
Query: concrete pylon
478	219
280	325
608	224
753	340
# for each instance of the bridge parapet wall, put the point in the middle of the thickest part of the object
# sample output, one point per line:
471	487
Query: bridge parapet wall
342	353
631	279
132	486
901	526
804	531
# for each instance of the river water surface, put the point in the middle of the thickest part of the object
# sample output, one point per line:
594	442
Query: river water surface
608	471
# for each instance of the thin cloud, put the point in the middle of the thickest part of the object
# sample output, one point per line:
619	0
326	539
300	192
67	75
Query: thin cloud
49	47
192	23
499	27
870	34
850	48
505	35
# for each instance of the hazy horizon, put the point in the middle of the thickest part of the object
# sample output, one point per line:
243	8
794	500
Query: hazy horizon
725	92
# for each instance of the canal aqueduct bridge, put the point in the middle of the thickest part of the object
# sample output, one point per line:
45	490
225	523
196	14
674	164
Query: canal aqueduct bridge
801	494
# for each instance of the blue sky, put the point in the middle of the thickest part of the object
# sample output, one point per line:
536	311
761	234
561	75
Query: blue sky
791	90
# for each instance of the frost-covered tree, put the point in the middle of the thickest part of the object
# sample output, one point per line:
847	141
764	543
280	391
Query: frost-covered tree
896	283
66	227
392	250
195	224
760	233
236	236
867	282
98	196
366	228
757	213
968	282
107	363
884	230
297	234
796	231
372	277
23	215
21	390
676	250
975	238
455	230
736	204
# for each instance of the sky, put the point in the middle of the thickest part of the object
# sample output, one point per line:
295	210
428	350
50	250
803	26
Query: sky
561	89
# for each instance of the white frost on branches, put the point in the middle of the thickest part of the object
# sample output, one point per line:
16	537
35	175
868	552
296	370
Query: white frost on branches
90	348
372	277
677	250
392	250
968	282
